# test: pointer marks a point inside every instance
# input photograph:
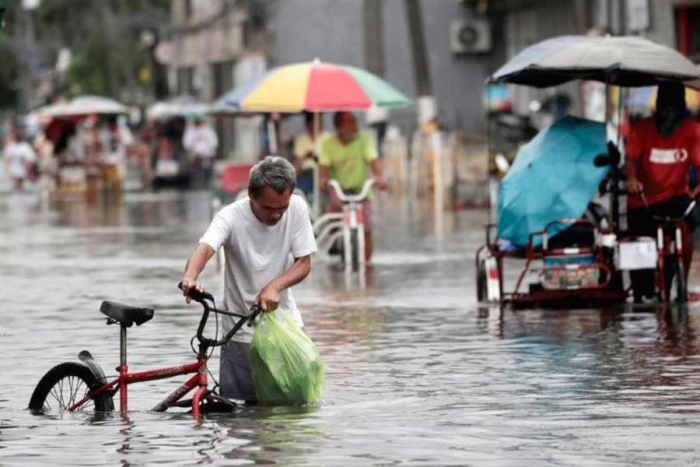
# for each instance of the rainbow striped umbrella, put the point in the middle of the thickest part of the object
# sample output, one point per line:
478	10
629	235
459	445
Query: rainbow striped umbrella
314	87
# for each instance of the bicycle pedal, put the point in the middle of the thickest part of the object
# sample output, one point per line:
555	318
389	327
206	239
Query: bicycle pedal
217	405
217	399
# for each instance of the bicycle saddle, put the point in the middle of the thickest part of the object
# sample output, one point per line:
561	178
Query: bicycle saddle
126	315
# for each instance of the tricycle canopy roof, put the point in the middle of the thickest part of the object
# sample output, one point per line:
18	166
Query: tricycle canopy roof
621	61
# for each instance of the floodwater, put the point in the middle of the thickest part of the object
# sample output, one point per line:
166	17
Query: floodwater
416	372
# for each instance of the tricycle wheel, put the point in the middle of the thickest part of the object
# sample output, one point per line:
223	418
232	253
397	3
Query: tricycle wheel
66	384
488	287
681	283
481	282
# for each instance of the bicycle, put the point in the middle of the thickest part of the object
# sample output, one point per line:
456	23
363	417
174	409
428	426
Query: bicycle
348	224
83	386
669	244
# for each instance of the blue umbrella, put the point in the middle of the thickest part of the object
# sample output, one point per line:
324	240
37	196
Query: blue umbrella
553	177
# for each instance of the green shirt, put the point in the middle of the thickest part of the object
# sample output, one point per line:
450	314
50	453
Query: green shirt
349	164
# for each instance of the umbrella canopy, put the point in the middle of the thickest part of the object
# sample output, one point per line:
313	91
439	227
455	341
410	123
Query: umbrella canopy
623	61
220	108
316	87
179	106
47	111
84	105
553	177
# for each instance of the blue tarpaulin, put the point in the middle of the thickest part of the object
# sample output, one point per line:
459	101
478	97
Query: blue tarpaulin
553	177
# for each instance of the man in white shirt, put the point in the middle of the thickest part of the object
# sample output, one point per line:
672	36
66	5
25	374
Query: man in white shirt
18	154
117	141
268	241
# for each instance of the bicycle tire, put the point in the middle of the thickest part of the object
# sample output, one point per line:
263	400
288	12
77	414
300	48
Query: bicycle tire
681	283
355	247
79	379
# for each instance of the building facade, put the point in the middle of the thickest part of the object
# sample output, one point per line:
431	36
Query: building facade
464	41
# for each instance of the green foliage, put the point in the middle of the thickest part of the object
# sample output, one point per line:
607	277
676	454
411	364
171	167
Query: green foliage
9	74
102	35
86	73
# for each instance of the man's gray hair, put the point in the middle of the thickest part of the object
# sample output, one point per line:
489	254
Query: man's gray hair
273	171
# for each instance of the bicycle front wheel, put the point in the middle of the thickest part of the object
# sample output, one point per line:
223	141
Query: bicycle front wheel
355	243
66	384
681	284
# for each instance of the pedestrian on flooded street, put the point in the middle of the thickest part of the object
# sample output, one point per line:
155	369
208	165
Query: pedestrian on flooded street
268	241
19	159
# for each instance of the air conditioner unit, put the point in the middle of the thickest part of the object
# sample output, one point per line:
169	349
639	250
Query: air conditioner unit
470	36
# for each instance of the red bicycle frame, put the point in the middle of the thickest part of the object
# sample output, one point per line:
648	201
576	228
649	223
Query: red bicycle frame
199	368
121	383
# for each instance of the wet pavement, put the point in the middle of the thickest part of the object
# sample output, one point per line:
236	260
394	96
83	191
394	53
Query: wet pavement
416	372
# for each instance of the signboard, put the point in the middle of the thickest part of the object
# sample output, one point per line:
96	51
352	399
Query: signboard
637	15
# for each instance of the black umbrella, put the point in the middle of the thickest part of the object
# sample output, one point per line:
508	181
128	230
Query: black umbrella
622	61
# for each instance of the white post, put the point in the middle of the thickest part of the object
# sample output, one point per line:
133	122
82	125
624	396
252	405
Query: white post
272	135
316	205
347	243
438	185
361	238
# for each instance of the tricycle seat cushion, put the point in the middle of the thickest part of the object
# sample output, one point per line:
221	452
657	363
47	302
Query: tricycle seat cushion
127	315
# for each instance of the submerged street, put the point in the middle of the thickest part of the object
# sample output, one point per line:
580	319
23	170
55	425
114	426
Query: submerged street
415	371
127	126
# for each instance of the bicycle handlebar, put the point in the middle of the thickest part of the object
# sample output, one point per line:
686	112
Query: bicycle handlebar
345	198
203	298
196	295
668	219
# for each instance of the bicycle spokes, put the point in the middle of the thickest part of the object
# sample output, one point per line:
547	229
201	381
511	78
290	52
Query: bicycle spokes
66	392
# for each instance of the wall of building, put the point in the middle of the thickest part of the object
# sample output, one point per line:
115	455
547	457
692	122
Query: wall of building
549	18
611	15
332	30
457	80
534	23
662	24
195	51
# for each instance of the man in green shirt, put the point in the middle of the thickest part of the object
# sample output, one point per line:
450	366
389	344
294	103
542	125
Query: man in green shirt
350	158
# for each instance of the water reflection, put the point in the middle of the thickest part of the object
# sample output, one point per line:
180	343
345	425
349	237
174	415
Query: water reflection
268	436
612	352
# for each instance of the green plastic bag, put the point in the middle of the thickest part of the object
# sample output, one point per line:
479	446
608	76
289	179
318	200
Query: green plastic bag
286	366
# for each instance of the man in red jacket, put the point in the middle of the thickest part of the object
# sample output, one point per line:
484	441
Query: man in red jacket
660	152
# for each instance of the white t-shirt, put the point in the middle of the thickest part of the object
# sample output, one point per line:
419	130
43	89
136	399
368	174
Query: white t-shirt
200	140
115	143
17	156
256	254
